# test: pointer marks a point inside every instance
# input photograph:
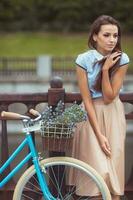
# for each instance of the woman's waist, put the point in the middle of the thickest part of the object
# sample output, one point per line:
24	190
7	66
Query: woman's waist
100	100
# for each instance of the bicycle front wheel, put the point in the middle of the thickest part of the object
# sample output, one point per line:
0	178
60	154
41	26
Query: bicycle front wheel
67	179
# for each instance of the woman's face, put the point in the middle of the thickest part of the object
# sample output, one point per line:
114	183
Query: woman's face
106	39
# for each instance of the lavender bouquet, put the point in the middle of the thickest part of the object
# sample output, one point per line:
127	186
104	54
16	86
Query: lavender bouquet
61	122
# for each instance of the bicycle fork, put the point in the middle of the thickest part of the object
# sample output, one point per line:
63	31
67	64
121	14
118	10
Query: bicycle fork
40	173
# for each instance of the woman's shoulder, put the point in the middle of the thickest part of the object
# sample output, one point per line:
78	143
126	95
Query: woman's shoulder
85	59
85	54
124	59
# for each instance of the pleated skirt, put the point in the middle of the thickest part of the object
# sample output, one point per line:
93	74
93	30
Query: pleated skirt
111	119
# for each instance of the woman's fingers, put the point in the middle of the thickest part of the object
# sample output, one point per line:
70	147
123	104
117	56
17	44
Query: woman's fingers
116	59
108	146
111	60
115	56
106	149
105	146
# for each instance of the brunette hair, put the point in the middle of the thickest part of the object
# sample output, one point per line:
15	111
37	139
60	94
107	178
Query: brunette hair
95	28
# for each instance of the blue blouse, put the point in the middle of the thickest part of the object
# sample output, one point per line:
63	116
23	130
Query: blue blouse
87	61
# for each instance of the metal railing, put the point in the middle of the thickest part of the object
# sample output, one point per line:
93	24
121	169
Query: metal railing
11	67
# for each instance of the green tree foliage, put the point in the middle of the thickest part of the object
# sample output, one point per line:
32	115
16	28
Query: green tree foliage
62	15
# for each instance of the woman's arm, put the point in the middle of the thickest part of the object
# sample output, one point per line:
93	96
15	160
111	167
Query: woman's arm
85	93
111	88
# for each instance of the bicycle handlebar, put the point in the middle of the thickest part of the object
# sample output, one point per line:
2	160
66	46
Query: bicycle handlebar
28	123
17	116
13	116
34	112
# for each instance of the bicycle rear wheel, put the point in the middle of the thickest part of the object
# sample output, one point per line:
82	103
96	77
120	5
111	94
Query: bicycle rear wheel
57	171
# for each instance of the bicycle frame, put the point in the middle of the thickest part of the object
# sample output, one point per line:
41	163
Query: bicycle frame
35	159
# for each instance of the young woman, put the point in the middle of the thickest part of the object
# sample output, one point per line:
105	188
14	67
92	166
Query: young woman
100	140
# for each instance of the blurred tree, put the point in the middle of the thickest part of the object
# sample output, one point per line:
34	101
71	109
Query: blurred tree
62	15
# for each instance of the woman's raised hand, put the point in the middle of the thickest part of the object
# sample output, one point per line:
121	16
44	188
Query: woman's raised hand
111	60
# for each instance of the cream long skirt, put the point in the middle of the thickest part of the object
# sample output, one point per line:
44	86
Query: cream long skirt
111	119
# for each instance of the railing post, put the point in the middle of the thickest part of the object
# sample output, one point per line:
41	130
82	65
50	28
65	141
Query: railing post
56	92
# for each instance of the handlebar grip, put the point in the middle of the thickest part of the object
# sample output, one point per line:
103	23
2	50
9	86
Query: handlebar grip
12	115
34	112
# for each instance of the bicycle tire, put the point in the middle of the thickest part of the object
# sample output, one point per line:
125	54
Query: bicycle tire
22	190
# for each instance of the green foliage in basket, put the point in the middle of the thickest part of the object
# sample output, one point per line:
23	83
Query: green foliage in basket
68	116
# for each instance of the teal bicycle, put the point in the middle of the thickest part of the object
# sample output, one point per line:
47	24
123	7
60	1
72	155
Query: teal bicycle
48	179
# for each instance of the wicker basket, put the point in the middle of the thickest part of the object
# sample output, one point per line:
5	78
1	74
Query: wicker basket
59	130
56	137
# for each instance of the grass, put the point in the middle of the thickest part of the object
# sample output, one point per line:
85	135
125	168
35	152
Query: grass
34	44
55	44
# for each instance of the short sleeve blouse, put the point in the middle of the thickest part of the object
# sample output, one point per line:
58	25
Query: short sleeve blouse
87	61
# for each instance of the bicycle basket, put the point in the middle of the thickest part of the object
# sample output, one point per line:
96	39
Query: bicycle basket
59	130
